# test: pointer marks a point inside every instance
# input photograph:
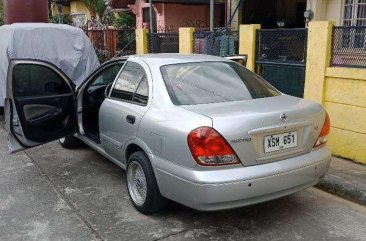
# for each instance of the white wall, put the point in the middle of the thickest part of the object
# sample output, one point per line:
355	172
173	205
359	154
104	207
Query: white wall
326	10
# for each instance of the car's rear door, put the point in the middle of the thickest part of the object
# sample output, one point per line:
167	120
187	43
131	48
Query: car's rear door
40	104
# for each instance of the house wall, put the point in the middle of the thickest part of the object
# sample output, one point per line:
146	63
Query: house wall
173	16
340	90
334	11
345	101
197	16
137	9
236	20
326	10
79	7
65	10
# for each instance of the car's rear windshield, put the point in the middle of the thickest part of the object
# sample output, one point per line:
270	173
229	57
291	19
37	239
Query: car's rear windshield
213	82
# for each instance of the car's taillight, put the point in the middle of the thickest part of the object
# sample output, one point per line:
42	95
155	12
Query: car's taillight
323	137
209	148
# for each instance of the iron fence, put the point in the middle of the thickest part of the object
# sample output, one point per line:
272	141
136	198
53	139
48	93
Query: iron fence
111	43
219	43
287	46
167	42
349	47
125	42
281	58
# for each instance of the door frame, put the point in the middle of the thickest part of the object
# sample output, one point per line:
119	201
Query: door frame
80	90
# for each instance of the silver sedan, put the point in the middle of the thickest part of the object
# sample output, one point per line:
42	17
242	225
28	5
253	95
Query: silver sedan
200	130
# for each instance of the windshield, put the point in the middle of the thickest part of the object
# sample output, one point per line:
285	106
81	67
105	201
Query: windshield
213	82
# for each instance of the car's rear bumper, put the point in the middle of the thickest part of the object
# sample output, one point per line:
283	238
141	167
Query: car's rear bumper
241	186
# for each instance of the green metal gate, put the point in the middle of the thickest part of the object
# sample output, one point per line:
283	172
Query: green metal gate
281	58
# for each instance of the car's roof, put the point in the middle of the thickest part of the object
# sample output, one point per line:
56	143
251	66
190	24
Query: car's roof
166	58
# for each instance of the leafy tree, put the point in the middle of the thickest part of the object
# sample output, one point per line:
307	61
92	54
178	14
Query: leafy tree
95	7
108	16
124	20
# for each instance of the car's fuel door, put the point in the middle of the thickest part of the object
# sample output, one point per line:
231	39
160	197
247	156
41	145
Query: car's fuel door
40	104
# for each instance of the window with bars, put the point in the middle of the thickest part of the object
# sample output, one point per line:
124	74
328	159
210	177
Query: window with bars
354	13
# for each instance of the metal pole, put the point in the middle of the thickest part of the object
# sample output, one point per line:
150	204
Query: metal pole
151	16
212	7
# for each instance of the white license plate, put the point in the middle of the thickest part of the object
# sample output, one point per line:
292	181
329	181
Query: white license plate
280	141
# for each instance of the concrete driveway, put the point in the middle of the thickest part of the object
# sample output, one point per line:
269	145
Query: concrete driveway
49	193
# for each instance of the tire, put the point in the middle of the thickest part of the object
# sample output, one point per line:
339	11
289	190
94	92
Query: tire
149	201
70	142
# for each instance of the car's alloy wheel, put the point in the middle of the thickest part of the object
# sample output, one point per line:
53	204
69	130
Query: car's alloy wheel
142	186
136	182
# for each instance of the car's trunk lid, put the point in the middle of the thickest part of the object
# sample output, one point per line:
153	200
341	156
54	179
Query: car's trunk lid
249	126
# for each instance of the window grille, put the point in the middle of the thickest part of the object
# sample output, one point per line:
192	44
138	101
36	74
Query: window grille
354	13
349	46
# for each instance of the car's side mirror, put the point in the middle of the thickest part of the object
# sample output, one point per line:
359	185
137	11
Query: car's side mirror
107	90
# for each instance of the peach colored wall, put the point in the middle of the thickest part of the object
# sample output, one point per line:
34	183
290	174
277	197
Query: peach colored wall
137	9
198	16
179	15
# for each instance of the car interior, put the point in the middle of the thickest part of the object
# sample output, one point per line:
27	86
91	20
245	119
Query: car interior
94	95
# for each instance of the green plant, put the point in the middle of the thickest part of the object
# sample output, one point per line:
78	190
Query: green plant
95	7
108	16
56	19
124	20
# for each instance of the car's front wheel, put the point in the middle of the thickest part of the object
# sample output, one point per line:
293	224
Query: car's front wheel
142	186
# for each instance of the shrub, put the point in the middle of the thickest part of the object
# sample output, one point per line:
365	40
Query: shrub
124	20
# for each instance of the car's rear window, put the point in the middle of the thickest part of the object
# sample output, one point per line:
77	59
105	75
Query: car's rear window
213	82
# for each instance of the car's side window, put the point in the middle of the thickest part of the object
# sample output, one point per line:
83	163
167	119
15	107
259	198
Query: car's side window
132	84
107	76
37	80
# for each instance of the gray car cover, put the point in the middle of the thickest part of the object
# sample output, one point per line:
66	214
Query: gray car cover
64	46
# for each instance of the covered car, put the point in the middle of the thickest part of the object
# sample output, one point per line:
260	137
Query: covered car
64	46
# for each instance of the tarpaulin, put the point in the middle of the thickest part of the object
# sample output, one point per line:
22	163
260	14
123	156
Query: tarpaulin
65	46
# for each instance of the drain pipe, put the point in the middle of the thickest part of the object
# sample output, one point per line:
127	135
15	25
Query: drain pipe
212	12
151	16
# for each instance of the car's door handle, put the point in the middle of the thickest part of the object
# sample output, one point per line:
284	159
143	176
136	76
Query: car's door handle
130	119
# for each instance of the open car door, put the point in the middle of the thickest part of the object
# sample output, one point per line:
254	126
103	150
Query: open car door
40	104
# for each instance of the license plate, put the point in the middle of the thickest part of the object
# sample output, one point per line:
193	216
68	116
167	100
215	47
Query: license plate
280	141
